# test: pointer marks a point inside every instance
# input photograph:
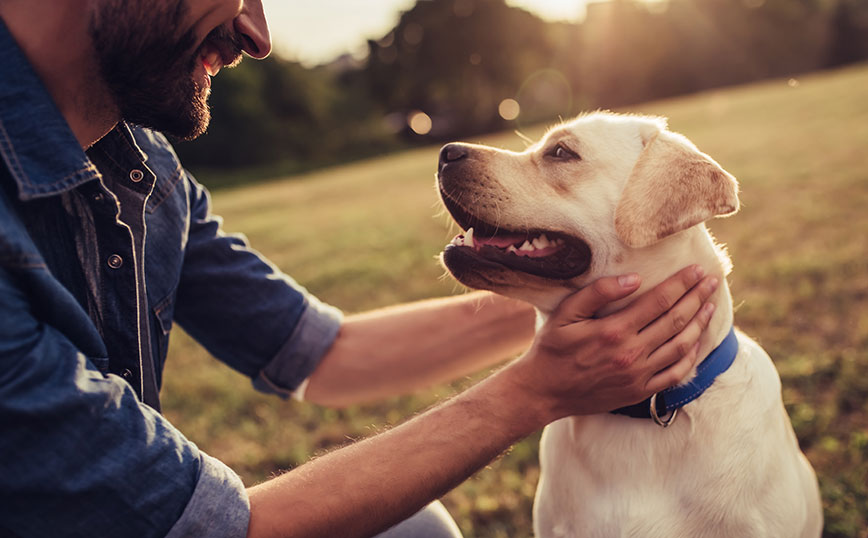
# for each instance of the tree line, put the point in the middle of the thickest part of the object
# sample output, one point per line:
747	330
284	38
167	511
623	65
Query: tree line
454	68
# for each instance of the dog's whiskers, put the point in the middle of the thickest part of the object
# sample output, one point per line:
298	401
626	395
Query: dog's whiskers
526	139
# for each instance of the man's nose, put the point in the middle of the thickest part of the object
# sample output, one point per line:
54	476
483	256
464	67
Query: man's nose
252	26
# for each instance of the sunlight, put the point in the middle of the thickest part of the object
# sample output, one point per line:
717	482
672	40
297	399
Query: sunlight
553	9
574	10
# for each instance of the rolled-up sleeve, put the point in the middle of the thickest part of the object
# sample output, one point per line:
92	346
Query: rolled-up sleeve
80	456
219	505
286	373
244	310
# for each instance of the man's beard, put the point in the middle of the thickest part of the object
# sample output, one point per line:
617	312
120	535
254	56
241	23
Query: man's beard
148	62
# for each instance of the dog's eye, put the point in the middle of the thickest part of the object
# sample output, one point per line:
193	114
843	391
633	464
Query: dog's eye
562	153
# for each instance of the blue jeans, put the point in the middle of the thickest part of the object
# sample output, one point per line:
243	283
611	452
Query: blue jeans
433	521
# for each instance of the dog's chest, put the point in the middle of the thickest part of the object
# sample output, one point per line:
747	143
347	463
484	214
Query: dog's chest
601	480
608	475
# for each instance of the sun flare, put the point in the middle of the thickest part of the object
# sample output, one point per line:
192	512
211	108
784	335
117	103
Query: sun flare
553	9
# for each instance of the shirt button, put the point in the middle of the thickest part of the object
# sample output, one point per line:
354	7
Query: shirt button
115	261
98	197
136	175
127	374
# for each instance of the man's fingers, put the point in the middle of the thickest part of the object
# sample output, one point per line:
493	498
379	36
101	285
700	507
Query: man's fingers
586	302
659	299
680	315
671	376
684	345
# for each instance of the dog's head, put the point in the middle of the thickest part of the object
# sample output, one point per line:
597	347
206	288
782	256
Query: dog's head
592	198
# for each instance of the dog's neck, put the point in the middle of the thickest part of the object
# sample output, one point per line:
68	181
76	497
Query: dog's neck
692	246
655	264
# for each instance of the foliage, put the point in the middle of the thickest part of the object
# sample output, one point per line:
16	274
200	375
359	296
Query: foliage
362	236
279	113
640	53
849	28
473	54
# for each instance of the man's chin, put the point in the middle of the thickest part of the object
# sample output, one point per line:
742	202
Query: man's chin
186	121
193	129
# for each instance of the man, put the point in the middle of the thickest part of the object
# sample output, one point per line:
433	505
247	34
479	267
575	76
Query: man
105	241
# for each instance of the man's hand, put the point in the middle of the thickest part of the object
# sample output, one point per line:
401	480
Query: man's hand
579	364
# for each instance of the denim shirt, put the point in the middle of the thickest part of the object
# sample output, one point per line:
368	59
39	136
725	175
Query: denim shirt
100	252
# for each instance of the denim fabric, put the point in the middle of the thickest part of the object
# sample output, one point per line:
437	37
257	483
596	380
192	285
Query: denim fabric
100	252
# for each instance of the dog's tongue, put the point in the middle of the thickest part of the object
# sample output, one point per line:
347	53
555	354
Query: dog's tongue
499	241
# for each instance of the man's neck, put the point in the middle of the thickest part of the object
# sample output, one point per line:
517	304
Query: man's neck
55	38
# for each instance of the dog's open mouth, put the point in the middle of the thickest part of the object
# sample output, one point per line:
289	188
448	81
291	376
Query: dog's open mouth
542	253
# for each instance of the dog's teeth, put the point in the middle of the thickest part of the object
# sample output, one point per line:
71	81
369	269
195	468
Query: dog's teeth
526	246
468	237
541	242
512	249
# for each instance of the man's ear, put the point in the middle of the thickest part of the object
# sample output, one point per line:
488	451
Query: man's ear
672	187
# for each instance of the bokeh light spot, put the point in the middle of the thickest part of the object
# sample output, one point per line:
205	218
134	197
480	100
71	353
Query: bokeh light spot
509	109
419	122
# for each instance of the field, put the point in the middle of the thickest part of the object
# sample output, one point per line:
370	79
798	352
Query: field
366	235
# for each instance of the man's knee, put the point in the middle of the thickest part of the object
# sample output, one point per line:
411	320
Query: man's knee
433	521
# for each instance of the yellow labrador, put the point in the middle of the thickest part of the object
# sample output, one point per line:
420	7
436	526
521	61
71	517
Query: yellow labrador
608	194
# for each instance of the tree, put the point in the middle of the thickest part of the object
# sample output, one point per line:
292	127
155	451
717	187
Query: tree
456	60
849	33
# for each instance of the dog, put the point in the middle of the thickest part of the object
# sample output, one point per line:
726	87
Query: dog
608	194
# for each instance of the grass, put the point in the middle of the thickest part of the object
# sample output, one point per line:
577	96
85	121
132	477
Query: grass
366	235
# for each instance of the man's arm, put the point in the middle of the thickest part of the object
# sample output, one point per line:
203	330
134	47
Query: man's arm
400	349
576	365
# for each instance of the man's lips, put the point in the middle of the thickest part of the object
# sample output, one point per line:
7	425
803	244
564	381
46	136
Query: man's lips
220	49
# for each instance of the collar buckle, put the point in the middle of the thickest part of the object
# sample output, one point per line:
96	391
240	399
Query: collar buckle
664	421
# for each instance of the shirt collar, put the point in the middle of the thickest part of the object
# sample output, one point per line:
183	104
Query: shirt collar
38	147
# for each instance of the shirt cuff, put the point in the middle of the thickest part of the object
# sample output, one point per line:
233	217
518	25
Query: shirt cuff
287	373
219	507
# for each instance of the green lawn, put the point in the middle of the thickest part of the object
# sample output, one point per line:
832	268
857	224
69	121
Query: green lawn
366	235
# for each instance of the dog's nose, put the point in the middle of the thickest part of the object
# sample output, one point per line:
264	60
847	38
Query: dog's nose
451	153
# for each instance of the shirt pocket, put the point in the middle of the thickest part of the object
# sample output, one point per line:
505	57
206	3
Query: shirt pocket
164	313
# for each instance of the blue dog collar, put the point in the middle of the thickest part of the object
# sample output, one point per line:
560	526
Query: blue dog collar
667	402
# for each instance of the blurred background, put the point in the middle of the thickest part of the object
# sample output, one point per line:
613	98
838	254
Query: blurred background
325	154
352	79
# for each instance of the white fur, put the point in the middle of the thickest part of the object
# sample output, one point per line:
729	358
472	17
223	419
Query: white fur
730	464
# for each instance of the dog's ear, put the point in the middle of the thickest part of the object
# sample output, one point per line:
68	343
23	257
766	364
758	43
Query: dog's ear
672	187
